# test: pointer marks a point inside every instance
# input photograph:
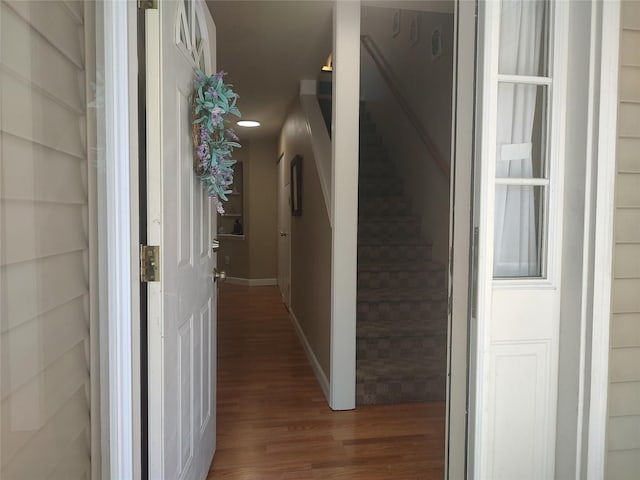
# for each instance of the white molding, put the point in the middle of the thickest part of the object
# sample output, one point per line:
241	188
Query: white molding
344	160
460	202
155	319
311	356
117	197
252	282
603	247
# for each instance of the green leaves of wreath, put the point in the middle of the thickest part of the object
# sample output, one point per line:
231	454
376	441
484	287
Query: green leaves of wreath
213	101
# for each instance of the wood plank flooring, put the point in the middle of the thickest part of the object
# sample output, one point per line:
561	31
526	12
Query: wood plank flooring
273	420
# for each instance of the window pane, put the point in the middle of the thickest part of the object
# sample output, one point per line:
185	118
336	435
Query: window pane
524	37
520	229
521	133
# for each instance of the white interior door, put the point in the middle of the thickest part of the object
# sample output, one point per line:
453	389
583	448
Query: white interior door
182	306
518	219
284	231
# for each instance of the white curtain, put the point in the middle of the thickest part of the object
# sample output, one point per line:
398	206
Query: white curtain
515	244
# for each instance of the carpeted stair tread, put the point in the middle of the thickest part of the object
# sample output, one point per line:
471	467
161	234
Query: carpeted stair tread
385	369
383	381
386	206
426	265
387	218
429	349
401	328
396	241
406	326
397	295
419	274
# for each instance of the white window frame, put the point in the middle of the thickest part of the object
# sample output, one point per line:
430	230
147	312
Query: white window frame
600	264
555	82
118	271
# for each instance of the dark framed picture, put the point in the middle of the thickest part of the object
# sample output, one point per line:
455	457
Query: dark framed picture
414	30
436	44
296	186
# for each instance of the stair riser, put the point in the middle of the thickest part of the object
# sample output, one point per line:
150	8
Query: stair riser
431	314
377	206
393	253
430	351
381	230
376	169
370	140
419	390
368	153
379	187
367	128
427	280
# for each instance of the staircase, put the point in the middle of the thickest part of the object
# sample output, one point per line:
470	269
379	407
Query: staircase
402	302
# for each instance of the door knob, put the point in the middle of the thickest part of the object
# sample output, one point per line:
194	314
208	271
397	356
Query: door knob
283	234
219	275
215	245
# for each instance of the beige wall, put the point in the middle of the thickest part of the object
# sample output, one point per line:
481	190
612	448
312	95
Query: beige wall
262	215
427	86
255	257
310	244
233	256
623	427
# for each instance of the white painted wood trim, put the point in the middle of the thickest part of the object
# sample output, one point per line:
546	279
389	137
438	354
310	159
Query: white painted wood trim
134	241
154	237
460	240
344	249
118	238
587	255
320	141
603	248
487	93
252	282
311	356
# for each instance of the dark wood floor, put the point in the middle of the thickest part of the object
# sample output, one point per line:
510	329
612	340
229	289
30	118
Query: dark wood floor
273	420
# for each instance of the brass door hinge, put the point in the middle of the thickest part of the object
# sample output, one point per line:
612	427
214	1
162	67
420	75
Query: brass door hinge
148	4
149	263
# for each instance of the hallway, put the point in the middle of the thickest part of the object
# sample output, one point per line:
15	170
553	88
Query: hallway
273	421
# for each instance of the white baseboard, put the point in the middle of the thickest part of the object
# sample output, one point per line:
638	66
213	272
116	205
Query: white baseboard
315	365
252	282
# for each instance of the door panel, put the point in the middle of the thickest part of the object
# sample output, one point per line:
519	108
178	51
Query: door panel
518	219
284	231
182	305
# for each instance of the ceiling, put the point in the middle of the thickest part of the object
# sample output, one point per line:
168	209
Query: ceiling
267	47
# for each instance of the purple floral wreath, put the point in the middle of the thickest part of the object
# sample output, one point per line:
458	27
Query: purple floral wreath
213	100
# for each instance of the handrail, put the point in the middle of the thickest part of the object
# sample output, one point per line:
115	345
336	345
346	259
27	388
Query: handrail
385	72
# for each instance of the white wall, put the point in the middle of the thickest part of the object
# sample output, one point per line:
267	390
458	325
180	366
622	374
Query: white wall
427	86
255	256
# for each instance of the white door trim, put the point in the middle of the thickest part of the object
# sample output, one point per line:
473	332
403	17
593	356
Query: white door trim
118	385
460	239
603	247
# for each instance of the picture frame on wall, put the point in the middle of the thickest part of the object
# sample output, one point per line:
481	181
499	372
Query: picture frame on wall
436	44
296	186
414	31
395	23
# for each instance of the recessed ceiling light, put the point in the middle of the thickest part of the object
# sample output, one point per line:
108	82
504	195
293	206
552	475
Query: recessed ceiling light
248	123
